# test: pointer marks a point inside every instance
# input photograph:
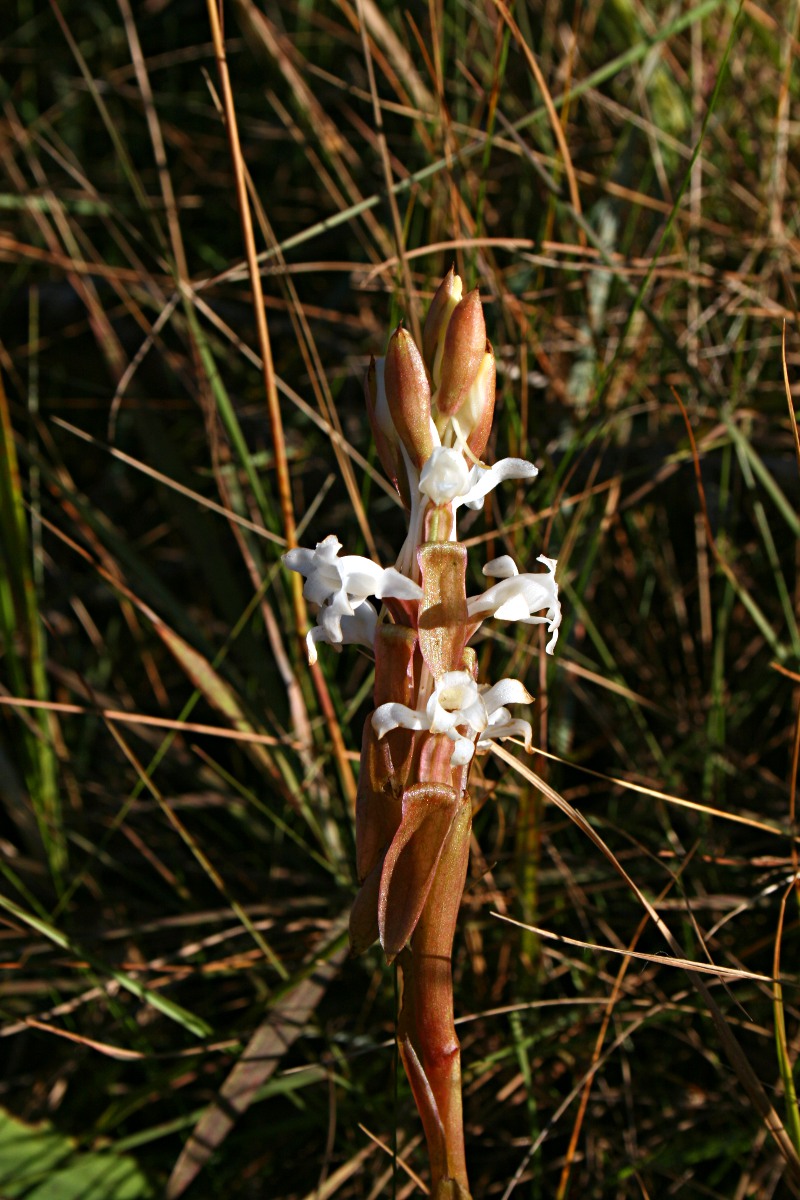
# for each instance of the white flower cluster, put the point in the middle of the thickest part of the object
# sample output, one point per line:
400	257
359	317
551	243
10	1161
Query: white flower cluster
431	410
340	586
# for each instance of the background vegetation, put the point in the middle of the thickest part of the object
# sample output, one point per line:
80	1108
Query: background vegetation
177	786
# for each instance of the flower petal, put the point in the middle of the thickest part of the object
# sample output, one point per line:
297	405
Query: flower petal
506	691
397	716
392	584
514	609
503	567
355	629
505	729
483	479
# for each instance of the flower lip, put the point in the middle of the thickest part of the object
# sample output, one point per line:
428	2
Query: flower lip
445	475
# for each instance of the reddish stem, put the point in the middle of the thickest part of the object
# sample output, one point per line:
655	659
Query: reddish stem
426	1029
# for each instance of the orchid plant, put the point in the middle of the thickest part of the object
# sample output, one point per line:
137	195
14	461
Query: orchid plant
431	411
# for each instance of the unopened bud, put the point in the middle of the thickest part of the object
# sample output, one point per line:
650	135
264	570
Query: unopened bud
444	302
464	348
476	413
383	431
408	393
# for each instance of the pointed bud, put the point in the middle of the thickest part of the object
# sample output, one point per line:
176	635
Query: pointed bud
464	348
408	393
383	431
476	413
444	302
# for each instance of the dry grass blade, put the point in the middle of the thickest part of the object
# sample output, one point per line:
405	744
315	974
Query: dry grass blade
789	401
400	1162
570	1156
783	1049
120	1053
555	123
687	964
161	478
273	404
738	1060
410	297
148	721
260	1058
679	801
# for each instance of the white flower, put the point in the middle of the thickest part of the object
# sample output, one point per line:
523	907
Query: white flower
340	586
458	701
342	629
483	480
517	597
446	478
348	579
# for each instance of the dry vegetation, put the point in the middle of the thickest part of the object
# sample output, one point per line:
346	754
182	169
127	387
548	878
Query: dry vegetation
621	180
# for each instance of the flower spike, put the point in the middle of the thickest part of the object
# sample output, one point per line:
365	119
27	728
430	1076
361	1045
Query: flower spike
430	409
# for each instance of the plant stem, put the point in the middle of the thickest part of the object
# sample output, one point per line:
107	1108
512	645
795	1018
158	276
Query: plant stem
426	1031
